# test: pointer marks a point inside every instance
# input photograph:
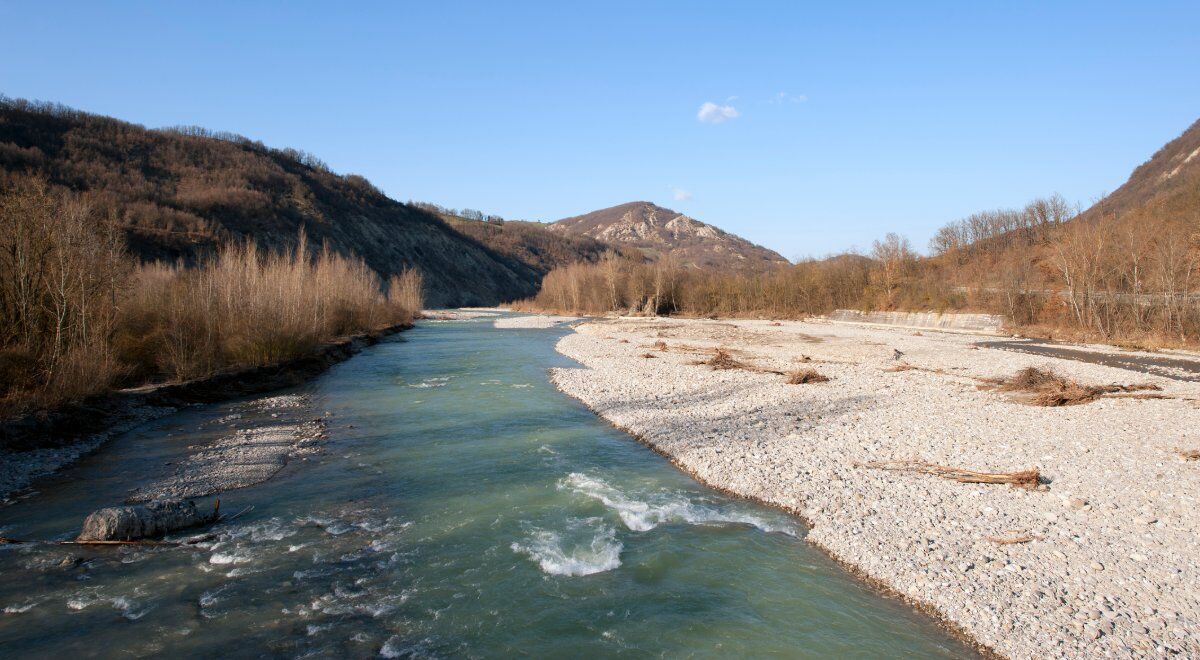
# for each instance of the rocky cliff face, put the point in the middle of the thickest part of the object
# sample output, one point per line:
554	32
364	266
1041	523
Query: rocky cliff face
657	231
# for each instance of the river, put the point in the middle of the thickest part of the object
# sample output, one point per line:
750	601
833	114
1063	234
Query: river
462	507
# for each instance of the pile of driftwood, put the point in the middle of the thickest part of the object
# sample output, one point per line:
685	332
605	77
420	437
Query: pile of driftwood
1043	387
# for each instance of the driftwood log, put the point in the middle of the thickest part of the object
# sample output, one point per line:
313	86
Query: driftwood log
154	519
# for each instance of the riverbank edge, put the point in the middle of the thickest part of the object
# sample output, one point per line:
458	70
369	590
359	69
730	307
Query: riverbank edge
879	585
89	424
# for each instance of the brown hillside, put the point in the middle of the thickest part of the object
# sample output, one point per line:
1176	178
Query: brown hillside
179	193
1167	185
531	243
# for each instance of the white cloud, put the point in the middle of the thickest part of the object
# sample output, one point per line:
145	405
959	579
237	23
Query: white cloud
680	194
711	113
784	97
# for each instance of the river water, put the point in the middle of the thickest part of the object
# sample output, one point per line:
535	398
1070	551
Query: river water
462	507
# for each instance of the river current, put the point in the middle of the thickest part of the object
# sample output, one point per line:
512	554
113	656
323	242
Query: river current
461	507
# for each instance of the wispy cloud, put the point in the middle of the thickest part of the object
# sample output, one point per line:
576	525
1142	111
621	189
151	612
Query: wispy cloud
784	97
680	194
711	113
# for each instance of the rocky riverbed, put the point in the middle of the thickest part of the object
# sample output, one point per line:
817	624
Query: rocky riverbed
247	454
1102	559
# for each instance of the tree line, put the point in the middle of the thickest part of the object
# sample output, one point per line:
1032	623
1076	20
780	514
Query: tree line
1131	277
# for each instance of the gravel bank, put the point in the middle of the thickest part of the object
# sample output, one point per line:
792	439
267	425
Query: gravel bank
1113	564
456	314
245	457
533	322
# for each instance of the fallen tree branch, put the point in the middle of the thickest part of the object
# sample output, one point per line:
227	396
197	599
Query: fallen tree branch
1012	540
1021	479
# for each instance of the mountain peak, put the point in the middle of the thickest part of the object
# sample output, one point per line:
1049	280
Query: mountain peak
656	231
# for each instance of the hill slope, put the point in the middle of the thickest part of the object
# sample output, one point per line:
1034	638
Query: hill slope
657	231
531	243
1167	185
177	193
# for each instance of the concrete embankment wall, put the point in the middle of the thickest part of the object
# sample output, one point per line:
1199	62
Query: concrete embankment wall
990	323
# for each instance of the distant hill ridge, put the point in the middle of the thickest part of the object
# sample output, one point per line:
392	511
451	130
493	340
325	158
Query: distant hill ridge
657	231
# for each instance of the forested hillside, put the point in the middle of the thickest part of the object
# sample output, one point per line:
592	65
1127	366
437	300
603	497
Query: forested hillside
179	193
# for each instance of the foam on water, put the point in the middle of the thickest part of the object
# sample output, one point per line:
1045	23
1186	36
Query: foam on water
19	609
129	608
644	513
235	557
591	547
431	382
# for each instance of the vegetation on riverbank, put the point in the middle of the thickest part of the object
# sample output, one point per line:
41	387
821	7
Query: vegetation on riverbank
79	316
1132	278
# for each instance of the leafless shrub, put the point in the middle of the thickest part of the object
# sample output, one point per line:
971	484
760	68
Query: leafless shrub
660	345
62	272
406	291
805	376
1189	454
649	355
247	307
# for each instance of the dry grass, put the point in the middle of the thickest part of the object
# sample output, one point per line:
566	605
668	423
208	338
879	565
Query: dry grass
649	355
1189	454
1021	479
1043	387
806	376
660	345
903	366
245	307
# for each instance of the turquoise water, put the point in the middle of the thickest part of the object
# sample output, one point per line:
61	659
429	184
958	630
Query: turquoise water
462	507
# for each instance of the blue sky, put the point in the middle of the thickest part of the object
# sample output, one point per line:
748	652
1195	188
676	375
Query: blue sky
852	119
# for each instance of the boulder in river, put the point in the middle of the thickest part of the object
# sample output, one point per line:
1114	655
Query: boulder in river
130	523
